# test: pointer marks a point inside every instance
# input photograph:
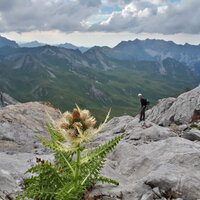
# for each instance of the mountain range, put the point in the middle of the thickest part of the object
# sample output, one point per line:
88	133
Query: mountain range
32	44
100	77
6	42
65	45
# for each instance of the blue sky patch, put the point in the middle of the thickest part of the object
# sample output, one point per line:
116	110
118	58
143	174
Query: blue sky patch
109	9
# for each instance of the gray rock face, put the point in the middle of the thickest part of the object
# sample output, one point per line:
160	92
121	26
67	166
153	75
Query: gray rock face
182	110
147	158
192	135
12	168
136	133
150	162
18	145
21	122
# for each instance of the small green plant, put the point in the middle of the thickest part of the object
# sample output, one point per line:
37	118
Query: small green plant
195	126
76	167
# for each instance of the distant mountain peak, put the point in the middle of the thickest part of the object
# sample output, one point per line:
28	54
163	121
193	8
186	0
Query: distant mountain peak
67	46
32	44
6	42
71	46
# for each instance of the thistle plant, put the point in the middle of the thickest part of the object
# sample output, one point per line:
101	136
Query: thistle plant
76	167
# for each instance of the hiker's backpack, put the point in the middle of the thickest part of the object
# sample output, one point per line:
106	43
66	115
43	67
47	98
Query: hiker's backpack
147	102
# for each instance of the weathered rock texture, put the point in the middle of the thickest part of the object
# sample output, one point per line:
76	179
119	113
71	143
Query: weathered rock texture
193	134
19	125
21	122
151	161
181	110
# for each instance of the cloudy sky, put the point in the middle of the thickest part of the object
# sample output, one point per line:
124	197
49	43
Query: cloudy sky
100	22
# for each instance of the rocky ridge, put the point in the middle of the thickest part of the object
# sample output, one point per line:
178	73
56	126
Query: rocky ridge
181	110
6	99
158	159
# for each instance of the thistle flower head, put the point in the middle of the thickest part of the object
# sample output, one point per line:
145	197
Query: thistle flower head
90	122
68	116
77	126
75	113
84	114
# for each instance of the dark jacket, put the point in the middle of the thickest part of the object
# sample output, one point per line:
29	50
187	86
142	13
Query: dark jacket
143	102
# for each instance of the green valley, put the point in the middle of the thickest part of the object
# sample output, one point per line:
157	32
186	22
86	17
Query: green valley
96	80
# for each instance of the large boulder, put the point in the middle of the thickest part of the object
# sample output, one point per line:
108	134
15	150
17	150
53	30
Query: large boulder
181	110
19	147
20	123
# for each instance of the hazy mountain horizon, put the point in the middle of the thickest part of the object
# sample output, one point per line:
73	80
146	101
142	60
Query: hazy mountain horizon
101	77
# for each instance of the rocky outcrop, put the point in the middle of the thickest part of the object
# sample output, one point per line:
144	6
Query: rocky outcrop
150	162
6	99
192	134
21	122
181	110
19	125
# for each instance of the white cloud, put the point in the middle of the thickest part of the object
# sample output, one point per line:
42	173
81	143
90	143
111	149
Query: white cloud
136	16
157	2
144	13
162	9
129	10
28	15
155	17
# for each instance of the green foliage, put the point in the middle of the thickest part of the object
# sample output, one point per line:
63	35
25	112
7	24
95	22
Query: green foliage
195	126
76	167
101	89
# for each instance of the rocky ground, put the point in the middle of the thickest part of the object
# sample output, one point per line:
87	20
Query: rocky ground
158	159
19	125
151	162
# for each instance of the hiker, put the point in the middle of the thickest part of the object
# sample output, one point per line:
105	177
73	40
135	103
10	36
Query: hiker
144	104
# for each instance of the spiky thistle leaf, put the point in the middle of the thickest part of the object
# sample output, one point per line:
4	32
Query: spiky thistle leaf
75	167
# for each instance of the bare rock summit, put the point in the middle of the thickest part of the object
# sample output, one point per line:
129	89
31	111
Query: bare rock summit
181	110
